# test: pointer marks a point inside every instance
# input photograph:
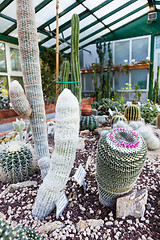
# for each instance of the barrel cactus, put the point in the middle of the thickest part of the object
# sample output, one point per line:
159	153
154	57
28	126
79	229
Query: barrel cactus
88	122
17	162
132	113
117	118
86	110
120	158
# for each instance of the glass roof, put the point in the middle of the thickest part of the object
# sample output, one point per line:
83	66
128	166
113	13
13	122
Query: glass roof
97	18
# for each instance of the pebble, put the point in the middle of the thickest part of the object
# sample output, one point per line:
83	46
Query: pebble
108	223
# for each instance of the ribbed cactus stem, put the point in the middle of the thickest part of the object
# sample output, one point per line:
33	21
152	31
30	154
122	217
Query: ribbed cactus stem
158	120
66	138
19	100
29	52
75	55
65	74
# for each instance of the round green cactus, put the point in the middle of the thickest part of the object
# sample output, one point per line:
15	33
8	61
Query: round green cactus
132	113
117	118
120	158
17	162
88	122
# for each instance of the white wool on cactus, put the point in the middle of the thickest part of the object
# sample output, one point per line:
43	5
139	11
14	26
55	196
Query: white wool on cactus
66	138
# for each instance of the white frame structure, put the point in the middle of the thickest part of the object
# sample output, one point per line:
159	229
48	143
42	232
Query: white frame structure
9	72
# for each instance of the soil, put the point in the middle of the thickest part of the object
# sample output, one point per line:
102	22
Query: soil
17	205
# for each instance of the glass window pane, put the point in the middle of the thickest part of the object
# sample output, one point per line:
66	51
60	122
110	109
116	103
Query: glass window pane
19	79
139	76
15	59
140	49
10	10
90	57
3	67
120	80
88	78
157	42
122	52
4	99
90	30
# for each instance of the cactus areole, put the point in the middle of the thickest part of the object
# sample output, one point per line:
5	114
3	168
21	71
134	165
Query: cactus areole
120	158
29	52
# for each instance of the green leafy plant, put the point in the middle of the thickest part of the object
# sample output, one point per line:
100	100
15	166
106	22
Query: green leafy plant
138	93
156	88
104	104
149	112
124	92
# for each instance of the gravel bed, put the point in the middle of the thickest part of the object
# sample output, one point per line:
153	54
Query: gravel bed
17	205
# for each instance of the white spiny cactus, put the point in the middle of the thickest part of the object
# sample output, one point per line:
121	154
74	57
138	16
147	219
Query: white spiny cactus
33	102
66	138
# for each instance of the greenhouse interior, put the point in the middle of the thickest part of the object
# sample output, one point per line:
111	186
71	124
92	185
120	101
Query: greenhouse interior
80	119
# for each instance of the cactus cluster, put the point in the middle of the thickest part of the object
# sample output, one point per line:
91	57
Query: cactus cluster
18	232
120	158
75	56
147	133
17	162
88	122
117	118
132	113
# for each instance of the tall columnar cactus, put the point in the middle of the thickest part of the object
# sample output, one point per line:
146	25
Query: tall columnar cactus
101	50
88	122
65	74
17	162
158	120
120	158
29	52
66	138
75	55
132	113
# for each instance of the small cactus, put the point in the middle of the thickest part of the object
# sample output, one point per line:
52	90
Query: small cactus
19	125
65	75
17	162
120	158
88	122
158	120
18	232
117	118
132	113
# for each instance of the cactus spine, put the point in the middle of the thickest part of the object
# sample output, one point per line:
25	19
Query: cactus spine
65	74
132	113
29	52
17	162
66	138
120	158
88	122
158	120
75	55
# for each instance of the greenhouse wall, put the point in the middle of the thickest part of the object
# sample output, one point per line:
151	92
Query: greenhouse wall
130	44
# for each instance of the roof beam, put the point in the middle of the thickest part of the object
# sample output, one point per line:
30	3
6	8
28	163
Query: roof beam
61	14
38	8
7	18
81	16
4	4
111	24
104	17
